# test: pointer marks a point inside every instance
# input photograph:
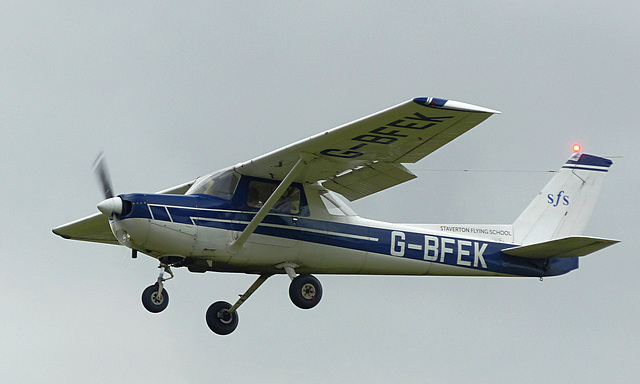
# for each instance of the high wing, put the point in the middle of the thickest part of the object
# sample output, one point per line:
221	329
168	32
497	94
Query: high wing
363	157
96	228
356	159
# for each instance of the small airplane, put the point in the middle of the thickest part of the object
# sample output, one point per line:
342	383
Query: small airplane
280	213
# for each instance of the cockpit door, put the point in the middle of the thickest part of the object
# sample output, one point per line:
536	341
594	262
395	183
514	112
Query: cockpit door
279	228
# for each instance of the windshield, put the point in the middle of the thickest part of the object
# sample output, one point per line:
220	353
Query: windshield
221	184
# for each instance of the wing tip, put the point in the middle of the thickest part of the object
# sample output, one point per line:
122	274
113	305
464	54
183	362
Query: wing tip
55	232
452	104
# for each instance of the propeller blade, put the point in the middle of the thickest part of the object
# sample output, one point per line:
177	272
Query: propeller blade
102	173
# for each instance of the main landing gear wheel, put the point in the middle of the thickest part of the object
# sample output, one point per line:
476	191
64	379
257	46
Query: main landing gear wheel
220	320
305	291
155	300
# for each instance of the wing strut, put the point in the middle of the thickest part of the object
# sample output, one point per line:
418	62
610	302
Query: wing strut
237	244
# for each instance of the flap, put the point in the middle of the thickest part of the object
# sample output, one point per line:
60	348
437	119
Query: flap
368	179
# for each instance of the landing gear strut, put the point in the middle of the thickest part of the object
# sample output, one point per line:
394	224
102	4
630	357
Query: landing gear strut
155	298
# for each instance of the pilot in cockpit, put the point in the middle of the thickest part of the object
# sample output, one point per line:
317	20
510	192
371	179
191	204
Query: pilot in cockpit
285	204
259	193
254	198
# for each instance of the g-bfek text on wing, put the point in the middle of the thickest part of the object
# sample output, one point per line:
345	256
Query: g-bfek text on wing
363	157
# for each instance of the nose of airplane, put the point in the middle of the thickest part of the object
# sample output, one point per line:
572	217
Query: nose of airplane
111	205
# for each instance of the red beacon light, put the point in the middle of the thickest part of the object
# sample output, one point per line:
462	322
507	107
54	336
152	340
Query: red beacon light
576	148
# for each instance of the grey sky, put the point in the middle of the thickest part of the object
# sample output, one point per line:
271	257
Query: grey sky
170	91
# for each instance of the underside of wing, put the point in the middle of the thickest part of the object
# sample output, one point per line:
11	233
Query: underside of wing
364	156
368	179
96	227
92	228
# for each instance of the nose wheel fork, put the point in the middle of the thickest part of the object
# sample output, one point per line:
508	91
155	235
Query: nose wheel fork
155	298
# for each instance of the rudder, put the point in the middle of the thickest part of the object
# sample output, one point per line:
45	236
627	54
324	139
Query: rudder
565	204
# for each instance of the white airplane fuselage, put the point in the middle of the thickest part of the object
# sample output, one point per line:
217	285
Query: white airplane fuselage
199	229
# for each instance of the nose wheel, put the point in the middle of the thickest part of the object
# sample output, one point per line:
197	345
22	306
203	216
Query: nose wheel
155	298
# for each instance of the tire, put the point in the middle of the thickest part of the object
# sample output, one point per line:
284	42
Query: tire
153	302
219	320
305	291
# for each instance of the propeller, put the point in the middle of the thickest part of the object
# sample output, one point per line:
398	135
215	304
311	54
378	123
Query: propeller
102	173
111	205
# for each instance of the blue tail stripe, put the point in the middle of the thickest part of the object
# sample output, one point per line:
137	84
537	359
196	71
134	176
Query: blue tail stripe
589	160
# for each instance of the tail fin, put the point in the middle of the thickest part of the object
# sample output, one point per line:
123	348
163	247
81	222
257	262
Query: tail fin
565	204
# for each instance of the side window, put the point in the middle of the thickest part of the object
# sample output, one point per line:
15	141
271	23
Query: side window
259	192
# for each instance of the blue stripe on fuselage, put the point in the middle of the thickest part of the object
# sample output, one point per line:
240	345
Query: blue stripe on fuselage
467	253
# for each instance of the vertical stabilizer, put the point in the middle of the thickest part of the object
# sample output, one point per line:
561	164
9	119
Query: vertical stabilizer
565	204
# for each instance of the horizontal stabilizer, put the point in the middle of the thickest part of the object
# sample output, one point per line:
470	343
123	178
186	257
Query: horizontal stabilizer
565	247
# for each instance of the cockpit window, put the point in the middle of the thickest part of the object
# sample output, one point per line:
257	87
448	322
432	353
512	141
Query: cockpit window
259	192
221	184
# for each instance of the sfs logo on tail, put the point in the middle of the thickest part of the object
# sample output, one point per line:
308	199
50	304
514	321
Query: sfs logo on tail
555	200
